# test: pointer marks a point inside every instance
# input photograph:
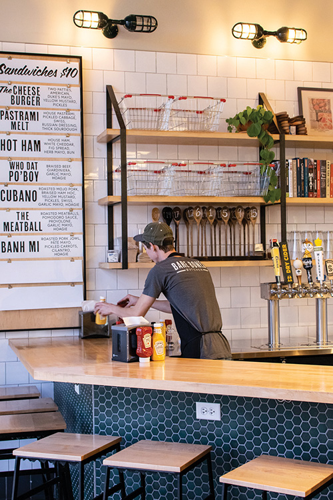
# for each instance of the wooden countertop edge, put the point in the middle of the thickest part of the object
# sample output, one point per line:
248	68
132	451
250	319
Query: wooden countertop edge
154	377
181	386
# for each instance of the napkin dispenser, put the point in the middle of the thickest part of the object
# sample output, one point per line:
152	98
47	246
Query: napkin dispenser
89	329
124	343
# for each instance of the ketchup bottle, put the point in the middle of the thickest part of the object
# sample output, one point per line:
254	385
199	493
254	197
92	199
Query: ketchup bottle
144	348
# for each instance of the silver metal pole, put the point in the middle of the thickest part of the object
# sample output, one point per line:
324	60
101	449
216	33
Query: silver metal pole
321	322
273	324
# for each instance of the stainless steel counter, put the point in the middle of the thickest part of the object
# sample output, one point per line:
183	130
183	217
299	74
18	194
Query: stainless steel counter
247	349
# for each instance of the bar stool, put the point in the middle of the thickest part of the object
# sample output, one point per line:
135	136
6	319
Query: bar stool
280	475
21	392
162	457
61	449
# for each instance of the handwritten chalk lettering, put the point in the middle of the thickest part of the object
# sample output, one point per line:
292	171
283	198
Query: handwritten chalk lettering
44	246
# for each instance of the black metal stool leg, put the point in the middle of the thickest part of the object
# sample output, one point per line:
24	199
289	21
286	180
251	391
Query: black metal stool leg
210	476
106	484
81	481
264	495
224	491
143	486
122	484
46	476
16	478
179	487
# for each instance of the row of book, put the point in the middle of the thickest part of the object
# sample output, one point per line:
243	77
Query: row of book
309	178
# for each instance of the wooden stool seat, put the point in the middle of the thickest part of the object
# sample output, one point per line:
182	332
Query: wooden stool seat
67	447
23	392
162	457
61	449
158	456
30	424
281	475
38	405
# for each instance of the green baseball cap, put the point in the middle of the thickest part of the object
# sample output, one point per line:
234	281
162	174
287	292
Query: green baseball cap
156	233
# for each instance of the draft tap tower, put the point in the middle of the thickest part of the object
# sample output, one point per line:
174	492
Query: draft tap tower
321	291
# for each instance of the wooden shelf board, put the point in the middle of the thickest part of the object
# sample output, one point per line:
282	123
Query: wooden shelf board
309	201
32	319
183	200
308	141
215	263
186	138
211	138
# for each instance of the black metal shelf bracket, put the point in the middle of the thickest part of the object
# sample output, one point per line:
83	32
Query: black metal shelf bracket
112	104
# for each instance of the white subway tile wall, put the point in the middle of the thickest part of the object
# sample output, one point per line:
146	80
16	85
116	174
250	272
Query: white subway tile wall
238	80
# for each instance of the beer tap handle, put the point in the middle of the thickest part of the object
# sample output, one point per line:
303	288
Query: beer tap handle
298	271
275	252
329	272
307	248
319	258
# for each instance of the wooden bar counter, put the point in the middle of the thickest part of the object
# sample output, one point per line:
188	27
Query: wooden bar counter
89	362
258	408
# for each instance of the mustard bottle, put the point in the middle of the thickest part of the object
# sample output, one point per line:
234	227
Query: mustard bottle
100	320
158	343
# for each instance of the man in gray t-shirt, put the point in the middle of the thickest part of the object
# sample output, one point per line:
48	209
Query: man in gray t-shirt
188	287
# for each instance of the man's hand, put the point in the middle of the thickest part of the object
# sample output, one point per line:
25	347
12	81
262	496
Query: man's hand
128	301
103	308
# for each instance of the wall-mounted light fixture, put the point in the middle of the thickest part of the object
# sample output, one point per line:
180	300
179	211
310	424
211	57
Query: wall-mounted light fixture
99	21
258	35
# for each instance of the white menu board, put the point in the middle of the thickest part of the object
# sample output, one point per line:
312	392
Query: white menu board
41	179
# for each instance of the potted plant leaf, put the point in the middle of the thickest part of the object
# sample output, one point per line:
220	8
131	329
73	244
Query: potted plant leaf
255	121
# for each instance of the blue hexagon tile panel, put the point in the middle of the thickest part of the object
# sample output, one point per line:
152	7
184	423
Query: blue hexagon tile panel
77	412
248	428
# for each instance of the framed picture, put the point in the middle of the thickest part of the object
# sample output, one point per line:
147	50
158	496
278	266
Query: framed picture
316	105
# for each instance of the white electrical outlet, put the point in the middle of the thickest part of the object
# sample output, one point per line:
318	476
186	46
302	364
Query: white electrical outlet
77	388
208	411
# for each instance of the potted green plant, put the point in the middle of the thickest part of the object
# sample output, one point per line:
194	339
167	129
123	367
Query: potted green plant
255	121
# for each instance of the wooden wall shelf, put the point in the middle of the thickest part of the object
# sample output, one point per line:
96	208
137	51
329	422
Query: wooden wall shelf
183	200
184	138
213	263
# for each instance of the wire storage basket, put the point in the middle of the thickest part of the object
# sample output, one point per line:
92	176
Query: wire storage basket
245	179
186	179
146	111
195	113
148	177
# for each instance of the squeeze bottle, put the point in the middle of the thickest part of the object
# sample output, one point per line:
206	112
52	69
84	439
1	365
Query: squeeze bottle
100	320
158	343
144	349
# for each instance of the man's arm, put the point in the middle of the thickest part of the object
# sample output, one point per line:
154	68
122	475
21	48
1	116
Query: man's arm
131	300
141	307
